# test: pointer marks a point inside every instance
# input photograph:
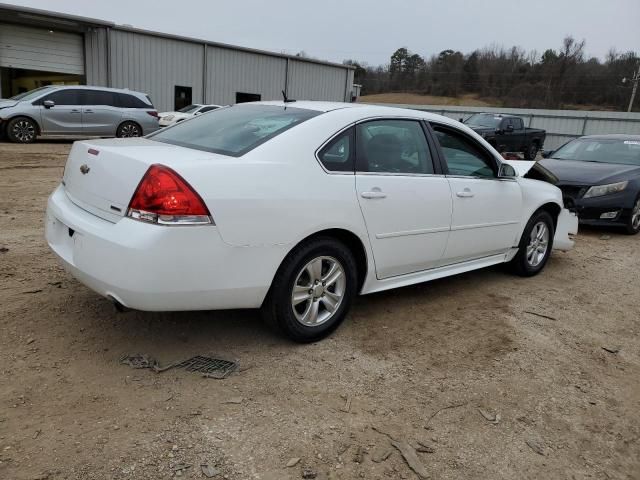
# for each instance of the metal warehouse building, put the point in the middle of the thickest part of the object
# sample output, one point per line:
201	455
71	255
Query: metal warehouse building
40	48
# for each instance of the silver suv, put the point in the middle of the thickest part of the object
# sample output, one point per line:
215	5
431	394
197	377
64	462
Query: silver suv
77	110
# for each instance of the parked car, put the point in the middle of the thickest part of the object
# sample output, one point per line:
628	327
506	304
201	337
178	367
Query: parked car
296	207
599	176
507	133
169	118
77	111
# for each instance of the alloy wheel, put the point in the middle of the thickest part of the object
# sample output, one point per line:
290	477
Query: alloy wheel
635	216
129	130
538	244
24	131
318	291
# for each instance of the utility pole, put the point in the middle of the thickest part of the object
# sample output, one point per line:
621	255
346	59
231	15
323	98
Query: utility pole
636	77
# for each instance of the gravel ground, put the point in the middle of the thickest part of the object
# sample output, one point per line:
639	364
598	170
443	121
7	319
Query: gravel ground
495	376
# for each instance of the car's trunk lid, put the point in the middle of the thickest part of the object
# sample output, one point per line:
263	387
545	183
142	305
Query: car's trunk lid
101	176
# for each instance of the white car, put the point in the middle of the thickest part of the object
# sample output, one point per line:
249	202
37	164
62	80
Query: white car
170	118
296	208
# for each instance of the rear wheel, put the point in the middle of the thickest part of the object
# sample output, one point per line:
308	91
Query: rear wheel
313	290
633	224
535	245
532	152
22	130
128	130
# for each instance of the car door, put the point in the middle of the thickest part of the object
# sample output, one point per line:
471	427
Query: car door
486	209
404	197
509	137
101	113
65	116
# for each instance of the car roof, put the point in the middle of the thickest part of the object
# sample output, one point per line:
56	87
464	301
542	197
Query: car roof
613	136
93	87
363	110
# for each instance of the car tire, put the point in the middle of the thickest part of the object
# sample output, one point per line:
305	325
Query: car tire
22	130
129	129
312	291
633	224
535	245
532	152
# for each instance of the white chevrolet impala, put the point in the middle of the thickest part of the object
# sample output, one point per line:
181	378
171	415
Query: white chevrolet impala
296	208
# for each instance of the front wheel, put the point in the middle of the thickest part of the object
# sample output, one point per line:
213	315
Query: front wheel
633	225
535	245
313	290
22	130
128	130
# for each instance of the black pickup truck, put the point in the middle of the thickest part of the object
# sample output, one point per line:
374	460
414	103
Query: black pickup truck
507	133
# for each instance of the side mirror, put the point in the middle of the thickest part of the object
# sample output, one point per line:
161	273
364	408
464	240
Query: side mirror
507	171
48	103
509	129
547	153
461	120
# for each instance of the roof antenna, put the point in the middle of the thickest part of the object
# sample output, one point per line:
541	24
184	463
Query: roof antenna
287	99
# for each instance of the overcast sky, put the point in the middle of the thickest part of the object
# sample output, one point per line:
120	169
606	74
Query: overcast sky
371	30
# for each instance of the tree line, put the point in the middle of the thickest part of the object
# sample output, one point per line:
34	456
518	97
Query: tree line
514	77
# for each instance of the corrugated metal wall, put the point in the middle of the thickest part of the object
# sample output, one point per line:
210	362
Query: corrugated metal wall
311	81
95	47
41	49
561	125
155	65
230	71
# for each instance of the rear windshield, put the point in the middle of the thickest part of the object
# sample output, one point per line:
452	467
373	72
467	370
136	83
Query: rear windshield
234	130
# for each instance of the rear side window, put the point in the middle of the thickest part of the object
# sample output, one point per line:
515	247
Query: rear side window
207	109
393	146
234	130
100	97
129	101
338	155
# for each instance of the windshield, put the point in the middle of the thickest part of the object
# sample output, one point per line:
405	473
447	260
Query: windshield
30	95
483	120
189	109
600	150
234	130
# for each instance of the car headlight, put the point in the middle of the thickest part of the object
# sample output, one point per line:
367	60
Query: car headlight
600	190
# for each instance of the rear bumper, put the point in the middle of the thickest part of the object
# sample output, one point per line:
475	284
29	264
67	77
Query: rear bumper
566	228
157	268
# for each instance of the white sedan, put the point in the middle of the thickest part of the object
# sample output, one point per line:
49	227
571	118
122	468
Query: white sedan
296	208
170	118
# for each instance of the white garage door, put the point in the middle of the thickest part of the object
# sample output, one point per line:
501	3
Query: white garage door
40	49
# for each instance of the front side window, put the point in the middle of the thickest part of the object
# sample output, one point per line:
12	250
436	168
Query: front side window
235	130
517	124
338	154
393	146
207	109
64	97
463	156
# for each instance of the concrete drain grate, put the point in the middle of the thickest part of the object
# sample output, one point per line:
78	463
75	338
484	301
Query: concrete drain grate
209	367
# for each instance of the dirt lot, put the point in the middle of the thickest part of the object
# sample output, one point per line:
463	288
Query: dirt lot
468	100
417	364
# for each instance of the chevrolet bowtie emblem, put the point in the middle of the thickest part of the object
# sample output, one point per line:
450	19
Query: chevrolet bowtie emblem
84	169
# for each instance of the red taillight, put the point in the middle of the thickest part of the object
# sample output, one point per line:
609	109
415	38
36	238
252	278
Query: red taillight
164	197
153	113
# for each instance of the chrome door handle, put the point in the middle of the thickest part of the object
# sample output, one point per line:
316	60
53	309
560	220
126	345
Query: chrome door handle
88	111
373	194
75	111
466	193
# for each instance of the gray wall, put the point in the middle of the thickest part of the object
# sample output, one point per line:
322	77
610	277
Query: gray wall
311	81
96	51
561	125
230	71
155	65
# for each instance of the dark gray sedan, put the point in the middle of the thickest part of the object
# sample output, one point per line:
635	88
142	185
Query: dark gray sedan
599	177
